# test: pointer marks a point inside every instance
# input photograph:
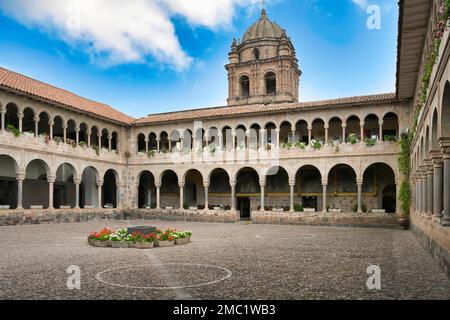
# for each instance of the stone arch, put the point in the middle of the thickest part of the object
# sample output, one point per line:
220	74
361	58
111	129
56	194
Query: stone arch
371	126
342	187
379	178
28	120
141	143
44	123
35	185
104	140
318	130
152	141
434	131
58	124
109	189
89	188
194	191
8	184
146	190
353	126
390	125
335	130
445	111
169	188
11	115
427	140
64	193
164	141
241	136
308	186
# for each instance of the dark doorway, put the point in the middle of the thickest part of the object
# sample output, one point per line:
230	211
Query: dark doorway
389	201
243	205
310	202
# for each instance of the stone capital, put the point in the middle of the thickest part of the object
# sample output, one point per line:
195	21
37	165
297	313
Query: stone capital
158	184
20	176
20	115
51	179
444	144
232	183
99	183
206	184
359	182
292	183
36	119
77	180
181	184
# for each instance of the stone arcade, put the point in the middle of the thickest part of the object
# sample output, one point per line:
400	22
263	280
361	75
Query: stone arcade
265	156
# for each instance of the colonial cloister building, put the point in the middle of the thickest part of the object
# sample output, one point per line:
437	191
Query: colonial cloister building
264	152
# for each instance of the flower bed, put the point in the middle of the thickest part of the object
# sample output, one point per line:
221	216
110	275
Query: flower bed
123	239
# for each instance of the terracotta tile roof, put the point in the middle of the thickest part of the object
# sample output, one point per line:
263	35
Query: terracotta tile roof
230	111
26	85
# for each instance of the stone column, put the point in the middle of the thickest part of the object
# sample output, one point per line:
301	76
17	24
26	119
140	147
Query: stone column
291	195
220	137
118	199
397	196
326	134
100	185
445	146
99	138
158	145
146	146
109	142
262	184
293	138
51	181
20	116
181	185
324	195
309	135
233	195
359	183
50	126
20	177
170	144
361	124
158	195
262	140
430	186
2	113
419	194
233	138
77	182
344	126
88	138
437	188
36	126
65	132
206	186
277	130
424	190
380	124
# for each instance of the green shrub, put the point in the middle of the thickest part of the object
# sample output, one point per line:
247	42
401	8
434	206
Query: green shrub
405	197
370	142
298	208
16	132
352	138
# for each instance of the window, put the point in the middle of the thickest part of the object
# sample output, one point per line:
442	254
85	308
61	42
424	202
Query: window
245	86
256	53
271	83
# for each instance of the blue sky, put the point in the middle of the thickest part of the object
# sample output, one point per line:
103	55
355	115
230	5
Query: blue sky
172	56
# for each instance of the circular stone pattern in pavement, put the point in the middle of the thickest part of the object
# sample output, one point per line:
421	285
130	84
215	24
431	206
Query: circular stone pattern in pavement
155	277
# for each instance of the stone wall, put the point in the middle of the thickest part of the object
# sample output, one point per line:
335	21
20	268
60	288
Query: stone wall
434	238
319	219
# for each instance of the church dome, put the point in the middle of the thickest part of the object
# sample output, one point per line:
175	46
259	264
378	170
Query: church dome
263	28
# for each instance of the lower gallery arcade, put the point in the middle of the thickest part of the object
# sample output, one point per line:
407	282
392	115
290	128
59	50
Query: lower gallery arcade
249	190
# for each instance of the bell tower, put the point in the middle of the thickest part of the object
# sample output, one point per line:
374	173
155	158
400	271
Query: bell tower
263	67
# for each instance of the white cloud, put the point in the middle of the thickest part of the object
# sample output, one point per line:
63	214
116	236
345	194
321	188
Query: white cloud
120	31
363	4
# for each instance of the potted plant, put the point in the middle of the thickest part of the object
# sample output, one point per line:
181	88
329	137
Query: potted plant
183	237
100	239
120	239
166	238
352	138
316	144
142	241
370	142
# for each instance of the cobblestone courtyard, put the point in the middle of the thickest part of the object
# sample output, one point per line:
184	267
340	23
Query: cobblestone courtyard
223	261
